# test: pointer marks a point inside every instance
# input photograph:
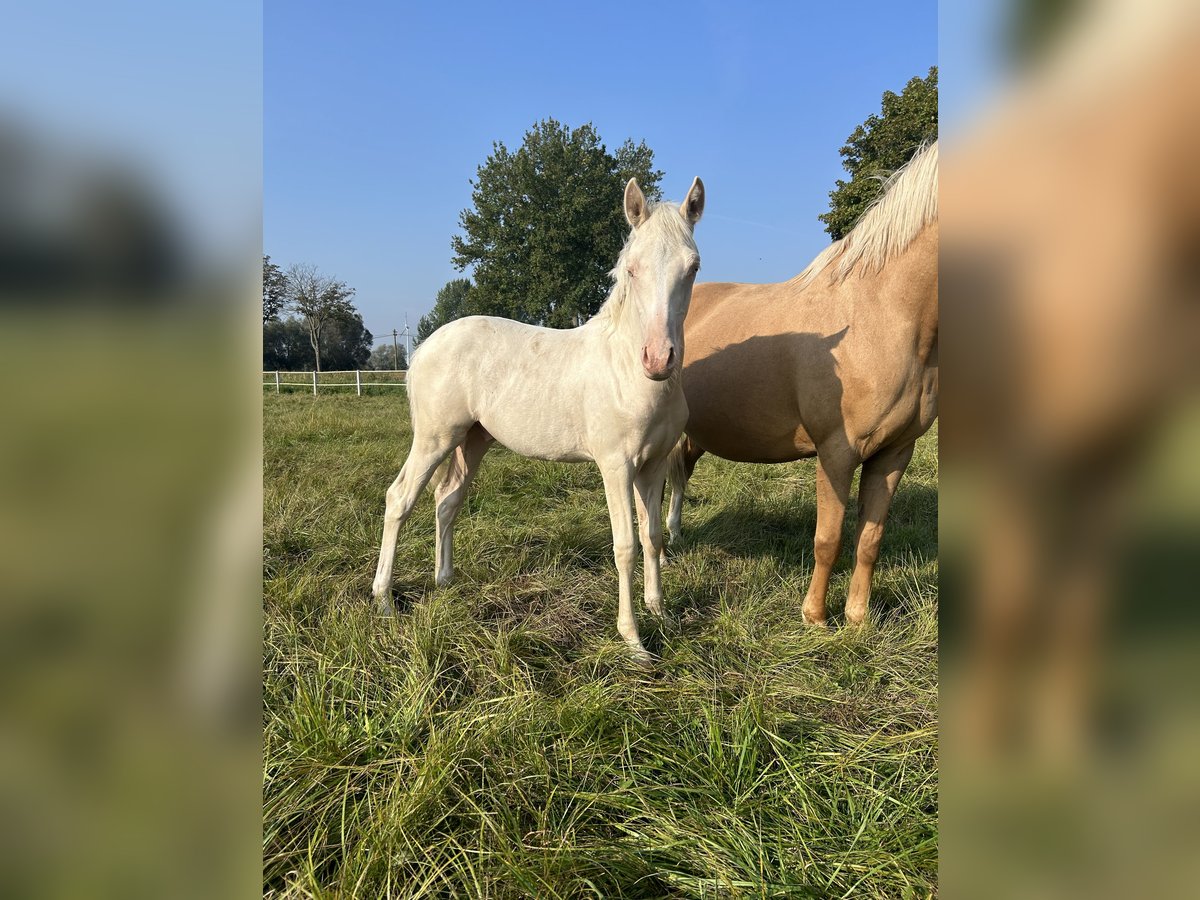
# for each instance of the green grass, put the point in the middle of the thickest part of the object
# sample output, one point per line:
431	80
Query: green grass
494	741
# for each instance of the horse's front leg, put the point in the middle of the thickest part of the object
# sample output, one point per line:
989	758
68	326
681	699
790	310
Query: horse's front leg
618	490
835	471
649	493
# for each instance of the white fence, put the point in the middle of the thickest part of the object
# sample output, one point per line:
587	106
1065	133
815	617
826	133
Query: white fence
326	380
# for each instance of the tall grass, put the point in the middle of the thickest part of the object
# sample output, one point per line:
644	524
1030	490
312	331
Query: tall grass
493	740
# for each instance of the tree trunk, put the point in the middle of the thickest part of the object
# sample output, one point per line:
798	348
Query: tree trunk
314	338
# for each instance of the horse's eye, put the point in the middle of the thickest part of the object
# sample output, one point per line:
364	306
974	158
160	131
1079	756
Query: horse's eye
632	273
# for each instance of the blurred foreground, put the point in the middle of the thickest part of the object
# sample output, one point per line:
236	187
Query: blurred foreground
1070	504
130	499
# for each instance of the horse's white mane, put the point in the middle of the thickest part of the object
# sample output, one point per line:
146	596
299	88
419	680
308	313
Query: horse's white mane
663	223
908	203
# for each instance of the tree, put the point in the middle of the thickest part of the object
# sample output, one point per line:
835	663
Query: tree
387	356
880	146
319	300
274	285
452	302
547	224
286	346
346	343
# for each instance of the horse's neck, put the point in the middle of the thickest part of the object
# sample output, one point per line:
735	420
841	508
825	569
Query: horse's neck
907	284
921	261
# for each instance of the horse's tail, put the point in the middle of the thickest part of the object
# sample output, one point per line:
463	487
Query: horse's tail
677	473
444	470
680	463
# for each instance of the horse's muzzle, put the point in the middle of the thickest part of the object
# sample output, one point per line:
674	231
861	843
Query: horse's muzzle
658	364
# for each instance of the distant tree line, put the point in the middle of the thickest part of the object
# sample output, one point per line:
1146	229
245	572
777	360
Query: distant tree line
310	323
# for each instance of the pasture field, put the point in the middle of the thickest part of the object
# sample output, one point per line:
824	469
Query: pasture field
492	740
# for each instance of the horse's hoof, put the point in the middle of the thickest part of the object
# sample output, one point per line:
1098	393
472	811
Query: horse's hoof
384	606
814	622
642	658
444	580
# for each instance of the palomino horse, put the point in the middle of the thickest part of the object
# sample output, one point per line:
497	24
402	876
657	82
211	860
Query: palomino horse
608	391
841	362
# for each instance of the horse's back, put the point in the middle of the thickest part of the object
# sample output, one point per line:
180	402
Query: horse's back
475	347
471	333
523	383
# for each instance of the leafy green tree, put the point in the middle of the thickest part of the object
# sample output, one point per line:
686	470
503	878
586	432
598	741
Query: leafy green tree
880	146
346	343
452	302
546	223
286	346
320	301
274	286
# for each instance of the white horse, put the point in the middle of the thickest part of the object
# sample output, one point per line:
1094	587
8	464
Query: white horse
608	391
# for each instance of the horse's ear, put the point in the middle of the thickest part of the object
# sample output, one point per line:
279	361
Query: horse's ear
635	203
692	207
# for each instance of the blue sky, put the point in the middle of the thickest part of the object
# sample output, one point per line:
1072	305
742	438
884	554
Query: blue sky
376	116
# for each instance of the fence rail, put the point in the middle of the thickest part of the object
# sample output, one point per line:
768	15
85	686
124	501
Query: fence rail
316	380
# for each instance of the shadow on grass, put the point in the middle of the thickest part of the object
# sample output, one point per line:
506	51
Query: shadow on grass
405	595
747	530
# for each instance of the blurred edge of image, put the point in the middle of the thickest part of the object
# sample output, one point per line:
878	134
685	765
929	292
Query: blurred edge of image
130	499
1070	493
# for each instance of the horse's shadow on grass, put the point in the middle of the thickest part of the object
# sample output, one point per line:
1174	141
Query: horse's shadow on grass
748	530
404	596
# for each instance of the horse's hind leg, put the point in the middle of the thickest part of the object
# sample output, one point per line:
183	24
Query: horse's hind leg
464	463
880	476
649	491
427	453
681	464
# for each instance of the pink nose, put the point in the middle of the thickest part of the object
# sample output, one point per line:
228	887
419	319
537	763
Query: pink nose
657	364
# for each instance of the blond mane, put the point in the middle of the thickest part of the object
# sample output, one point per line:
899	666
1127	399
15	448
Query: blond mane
908	203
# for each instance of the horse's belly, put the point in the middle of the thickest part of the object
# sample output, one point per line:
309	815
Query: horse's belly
548	454
748	430
553	445
754	446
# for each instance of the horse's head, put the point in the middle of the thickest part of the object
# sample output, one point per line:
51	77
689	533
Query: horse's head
660	264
